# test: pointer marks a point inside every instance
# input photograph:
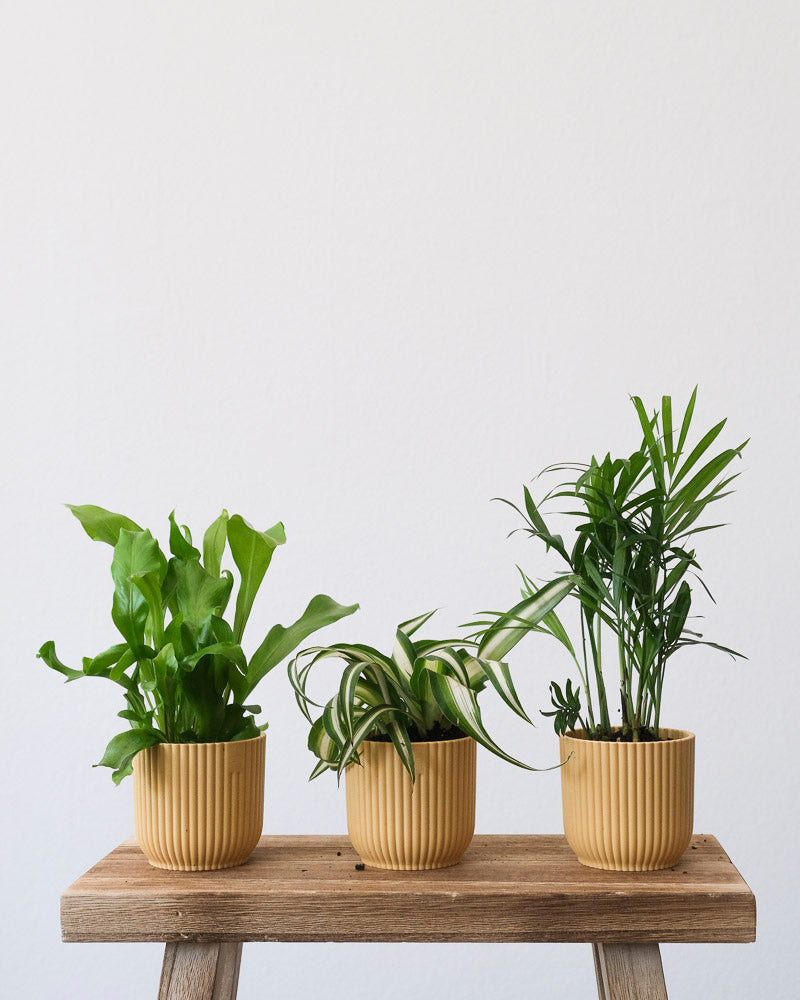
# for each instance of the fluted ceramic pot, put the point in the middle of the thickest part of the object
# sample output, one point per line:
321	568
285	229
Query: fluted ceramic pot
394	824
628	806
199	806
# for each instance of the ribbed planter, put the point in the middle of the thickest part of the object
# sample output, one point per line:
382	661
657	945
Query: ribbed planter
199	806
628	806
393	824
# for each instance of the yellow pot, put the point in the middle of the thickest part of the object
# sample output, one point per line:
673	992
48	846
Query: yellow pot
628	806
393	824
199	806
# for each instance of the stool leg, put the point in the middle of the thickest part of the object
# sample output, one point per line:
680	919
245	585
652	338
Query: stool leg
194	971
629	972
598	971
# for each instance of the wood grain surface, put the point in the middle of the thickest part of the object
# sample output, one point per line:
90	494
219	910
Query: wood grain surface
507	888
194	971
629	972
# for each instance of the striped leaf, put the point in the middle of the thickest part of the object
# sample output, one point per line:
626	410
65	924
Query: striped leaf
321	744
500	677
366	654
454	661
368	693
430	647
510	628
552	622
334	723
398	734
320	768
476	673
460	706
347	694
403	653
421	667
365	726
298	676
411	626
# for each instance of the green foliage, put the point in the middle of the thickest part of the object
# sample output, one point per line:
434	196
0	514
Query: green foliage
631	568
566	707
181	665
425	687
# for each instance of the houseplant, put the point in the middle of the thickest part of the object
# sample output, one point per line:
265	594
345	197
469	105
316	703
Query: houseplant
403	729
193	744
627	788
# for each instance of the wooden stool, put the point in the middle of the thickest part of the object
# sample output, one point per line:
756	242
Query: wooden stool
518	888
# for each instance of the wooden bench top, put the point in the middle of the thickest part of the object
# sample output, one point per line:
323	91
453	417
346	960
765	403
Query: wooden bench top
507	888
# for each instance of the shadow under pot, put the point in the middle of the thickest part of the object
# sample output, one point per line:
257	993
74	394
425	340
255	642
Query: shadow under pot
394	824
628	806
199	806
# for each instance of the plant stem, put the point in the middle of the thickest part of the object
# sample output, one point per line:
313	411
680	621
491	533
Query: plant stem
605	721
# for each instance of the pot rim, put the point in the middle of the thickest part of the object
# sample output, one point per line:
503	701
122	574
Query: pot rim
423	743
685	737
218	743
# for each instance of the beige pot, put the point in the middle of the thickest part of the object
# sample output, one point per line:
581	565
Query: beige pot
199	806
393	824
628	806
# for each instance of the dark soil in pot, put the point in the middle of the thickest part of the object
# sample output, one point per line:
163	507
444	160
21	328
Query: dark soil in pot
644	735
435	735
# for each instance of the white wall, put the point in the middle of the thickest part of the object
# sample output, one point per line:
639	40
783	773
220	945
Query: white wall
363	266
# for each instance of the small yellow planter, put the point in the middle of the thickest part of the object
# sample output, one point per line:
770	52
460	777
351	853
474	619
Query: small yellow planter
628	806
393	824
199	806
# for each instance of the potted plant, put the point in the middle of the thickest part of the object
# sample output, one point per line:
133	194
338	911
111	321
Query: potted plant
403	729
193	745
627	784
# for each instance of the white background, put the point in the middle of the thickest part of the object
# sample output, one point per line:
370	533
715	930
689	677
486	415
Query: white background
362	267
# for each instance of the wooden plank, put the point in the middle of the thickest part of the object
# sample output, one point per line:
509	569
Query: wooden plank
507	888
598	972
629	972
194	971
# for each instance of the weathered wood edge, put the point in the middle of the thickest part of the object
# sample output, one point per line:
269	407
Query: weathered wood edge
715	917
727	914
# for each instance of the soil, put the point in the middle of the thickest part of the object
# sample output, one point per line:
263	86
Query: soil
435	735
646	735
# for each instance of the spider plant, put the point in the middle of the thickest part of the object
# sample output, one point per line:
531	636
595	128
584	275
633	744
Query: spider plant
181	666
426	689
632	563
